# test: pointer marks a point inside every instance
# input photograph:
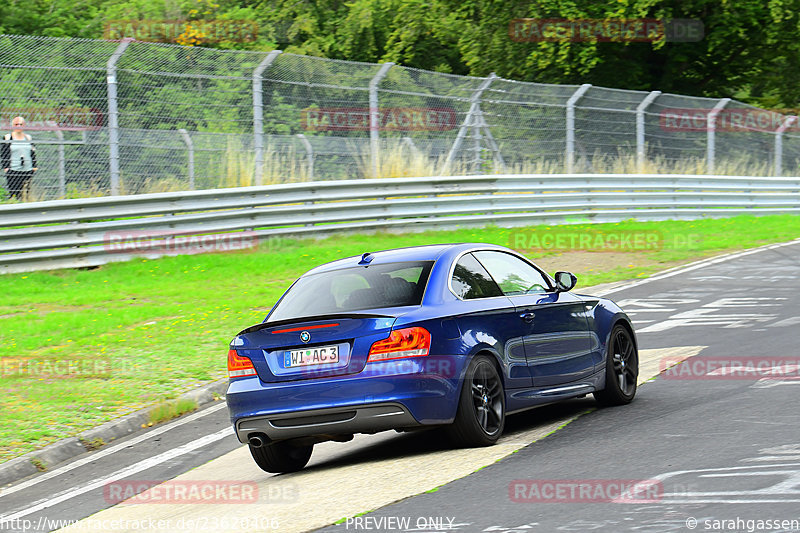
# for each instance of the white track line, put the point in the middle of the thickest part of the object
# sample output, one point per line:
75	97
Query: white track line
119	474
698	264
105	451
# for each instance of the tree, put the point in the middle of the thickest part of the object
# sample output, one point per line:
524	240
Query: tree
750	47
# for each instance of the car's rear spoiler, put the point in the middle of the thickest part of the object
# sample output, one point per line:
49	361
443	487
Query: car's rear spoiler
264	325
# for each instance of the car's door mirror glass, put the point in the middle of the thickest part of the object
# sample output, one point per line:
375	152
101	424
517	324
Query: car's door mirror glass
565	281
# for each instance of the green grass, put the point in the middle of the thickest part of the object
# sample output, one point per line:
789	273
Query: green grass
169	410
148	330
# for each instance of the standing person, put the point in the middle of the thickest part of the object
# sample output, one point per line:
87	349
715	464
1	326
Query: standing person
18	158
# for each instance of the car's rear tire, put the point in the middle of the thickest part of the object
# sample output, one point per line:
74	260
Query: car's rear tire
281	457
480	417
622	369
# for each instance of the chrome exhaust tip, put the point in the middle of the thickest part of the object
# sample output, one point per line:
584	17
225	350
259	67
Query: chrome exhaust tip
256	441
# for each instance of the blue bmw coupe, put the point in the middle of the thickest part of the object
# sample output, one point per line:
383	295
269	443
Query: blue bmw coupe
456	335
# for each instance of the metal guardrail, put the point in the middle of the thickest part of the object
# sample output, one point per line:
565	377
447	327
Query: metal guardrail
95	231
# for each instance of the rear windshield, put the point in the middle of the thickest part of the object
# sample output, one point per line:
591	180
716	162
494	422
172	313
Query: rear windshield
354	289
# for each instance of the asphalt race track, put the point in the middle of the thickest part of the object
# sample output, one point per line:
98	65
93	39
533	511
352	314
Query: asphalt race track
708	445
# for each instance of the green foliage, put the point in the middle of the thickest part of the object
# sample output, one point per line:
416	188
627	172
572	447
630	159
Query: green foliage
749	50
93	444
169	410
52	18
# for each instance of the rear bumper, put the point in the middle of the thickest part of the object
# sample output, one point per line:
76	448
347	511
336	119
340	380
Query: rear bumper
330	422
426	390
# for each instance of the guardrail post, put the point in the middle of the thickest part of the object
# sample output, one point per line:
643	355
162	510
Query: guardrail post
374	118
190	148
640	133
258	115
469	120
113	115
711	127
309	156
779	143
571	124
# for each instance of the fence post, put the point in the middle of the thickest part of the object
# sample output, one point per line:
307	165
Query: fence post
571	124
779	144
190	148
374	134
258	115
113	115
640	138
62	167
711	127
309	155
469	120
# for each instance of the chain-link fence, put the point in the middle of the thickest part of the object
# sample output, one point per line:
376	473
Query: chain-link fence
126	117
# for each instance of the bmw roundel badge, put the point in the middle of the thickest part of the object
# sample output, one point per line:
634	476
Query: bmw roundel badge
305	336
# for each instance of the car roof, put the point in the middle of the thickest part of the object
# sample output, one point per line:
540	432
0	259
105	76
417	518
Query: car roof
430	252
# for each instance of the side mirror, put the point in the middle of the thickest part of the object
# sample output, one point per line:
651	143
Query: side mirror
565	281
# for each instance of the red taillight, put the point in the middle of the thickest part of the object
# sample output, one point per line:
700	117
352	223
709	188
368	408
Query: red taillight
407	342
238	366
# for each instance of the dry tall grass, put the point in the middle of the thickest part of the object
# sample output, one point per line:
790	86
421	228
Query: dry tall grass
236	168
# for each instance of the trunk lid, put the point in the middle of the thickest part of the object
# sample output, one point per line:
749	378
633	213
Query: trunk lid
312	348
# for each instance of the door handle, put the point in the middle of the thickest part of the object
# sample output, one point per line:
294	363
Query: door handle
527	317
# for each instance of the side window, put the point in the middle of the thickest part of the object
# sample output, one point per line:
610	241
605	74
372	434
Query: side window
512	274
470	280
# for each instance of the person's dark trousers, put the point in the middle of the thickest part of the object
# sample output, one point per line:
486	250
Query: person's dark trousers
19	181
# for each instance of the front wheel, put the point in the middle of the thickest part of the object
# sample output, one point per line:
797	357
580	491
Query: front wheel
480	417
281	457
622	369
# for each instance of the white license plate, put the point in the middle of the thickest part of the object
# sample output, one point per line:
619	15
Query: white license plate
318	355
